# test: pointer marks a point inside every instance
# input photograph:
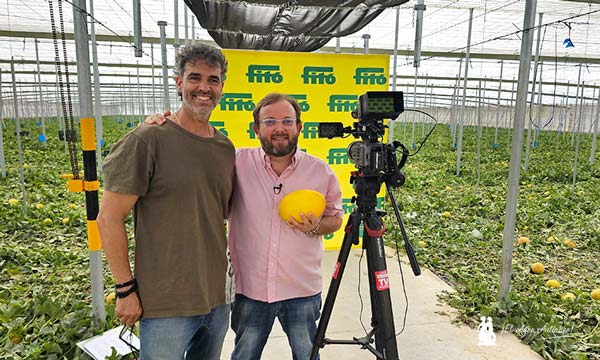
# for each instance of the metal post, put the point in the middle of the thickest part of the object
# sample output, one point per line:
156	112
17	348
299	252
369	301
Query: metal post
495	145
153	79
137	28
89	158
392	122
176	25
579	121
412	136
564	120
18	132
510	117
537	57
454	104
193	20
366	38
590	128
139	99
578	101
419	7
130	101
423	119
2	159
185	24
40	100
478	140
163	51
97	95
538	127
595	136
516	150
462	115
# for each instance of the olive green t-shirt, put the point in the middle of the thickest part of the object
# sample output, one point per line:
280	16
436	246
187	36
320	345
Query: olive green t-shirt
184	183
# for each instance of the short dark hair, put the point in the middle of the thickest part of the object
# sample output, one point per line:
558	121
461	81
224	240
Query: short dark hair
192	53
272	98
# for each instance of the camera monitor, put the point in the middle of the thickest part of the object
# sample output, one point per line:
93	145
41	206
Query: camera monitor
380	105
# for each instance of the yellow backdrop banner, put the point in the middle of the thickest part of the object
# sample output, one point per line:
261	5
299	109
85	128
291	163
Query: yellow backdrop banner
326	86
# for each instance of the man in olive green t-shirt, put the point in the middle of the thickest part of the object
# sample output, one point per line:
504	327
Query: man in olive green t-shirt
178	180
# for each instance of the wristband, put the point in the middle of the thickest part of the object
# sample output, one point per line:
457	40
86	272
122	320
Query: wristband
126	293
126	283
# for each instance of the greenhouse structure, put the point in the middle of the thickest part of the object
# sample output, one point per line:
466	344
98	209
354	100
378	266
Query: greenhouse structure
463	136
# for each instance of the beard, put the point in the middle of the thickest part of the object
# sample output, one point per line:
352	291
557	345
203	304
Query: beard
189	101
279	151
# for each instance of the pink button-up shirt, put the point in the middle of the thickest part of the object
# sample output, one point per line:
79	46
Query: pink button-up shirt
271	261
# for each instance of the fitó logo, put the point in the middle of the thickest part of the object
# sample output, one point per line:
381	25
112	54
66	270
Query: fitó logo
264	73
342	103
338	156
310	130
237	102
318	75
369	76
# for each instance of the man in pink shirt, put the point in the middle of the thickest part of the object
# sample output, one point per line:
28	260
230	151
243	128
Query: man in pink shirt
277	263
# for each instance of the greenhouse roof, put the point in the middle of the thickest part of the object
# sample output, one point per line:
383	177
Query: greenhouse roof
495	35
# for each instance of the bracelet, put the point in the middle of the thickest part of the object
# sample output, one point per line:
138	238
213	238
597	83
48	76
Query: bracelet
126	293
126	283
313	232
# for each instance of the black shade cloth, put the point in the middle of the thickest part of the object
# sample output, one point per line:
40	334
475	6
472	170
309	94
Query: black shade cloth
301	25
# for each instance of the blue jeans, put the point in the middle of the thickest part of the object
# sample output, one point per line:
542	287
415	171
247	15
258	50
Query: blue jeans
253	320
168	338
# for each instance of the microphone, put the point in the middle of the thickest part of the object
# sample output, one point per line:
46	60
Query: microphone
277	189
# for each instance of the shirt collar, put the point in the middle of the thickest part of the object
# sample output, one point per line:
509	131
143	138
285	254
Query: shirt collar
267	160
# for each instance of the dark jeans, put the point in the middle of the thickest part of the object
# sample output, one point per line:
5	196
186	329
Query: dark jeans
253	320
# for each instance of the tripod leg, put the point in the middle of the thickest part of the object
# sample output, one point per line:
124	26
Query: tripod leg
350	237
379	286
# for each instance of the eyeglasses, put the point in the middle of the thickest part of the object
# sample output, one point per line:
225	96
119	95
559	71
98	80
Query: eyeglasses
273	122
126	336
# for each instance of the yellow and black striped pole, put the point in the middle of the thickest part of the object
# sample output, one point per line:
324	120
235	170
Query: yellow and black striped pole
90	182
88	144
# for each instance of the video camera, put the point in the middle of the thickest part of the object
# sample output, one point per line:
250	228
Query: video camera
376	164
369	155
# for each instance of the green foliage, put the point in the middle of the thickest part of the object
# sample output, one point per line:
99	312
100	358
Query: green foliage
555	328
45	295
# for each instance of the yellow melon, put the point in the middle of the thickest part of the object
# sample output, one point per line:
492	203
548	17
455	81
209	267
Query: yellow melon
301	201
537	268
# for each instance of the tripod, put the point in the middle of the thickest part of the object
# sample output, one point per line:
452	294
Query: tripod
382	319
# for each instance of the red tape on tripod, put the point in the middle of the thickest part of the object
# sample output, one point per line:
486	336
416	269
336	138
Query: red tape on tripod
337	270
375	233
382	281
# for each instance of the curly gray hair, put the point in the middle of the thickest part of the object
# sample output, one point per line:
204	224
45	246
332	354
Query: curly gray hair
192	53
